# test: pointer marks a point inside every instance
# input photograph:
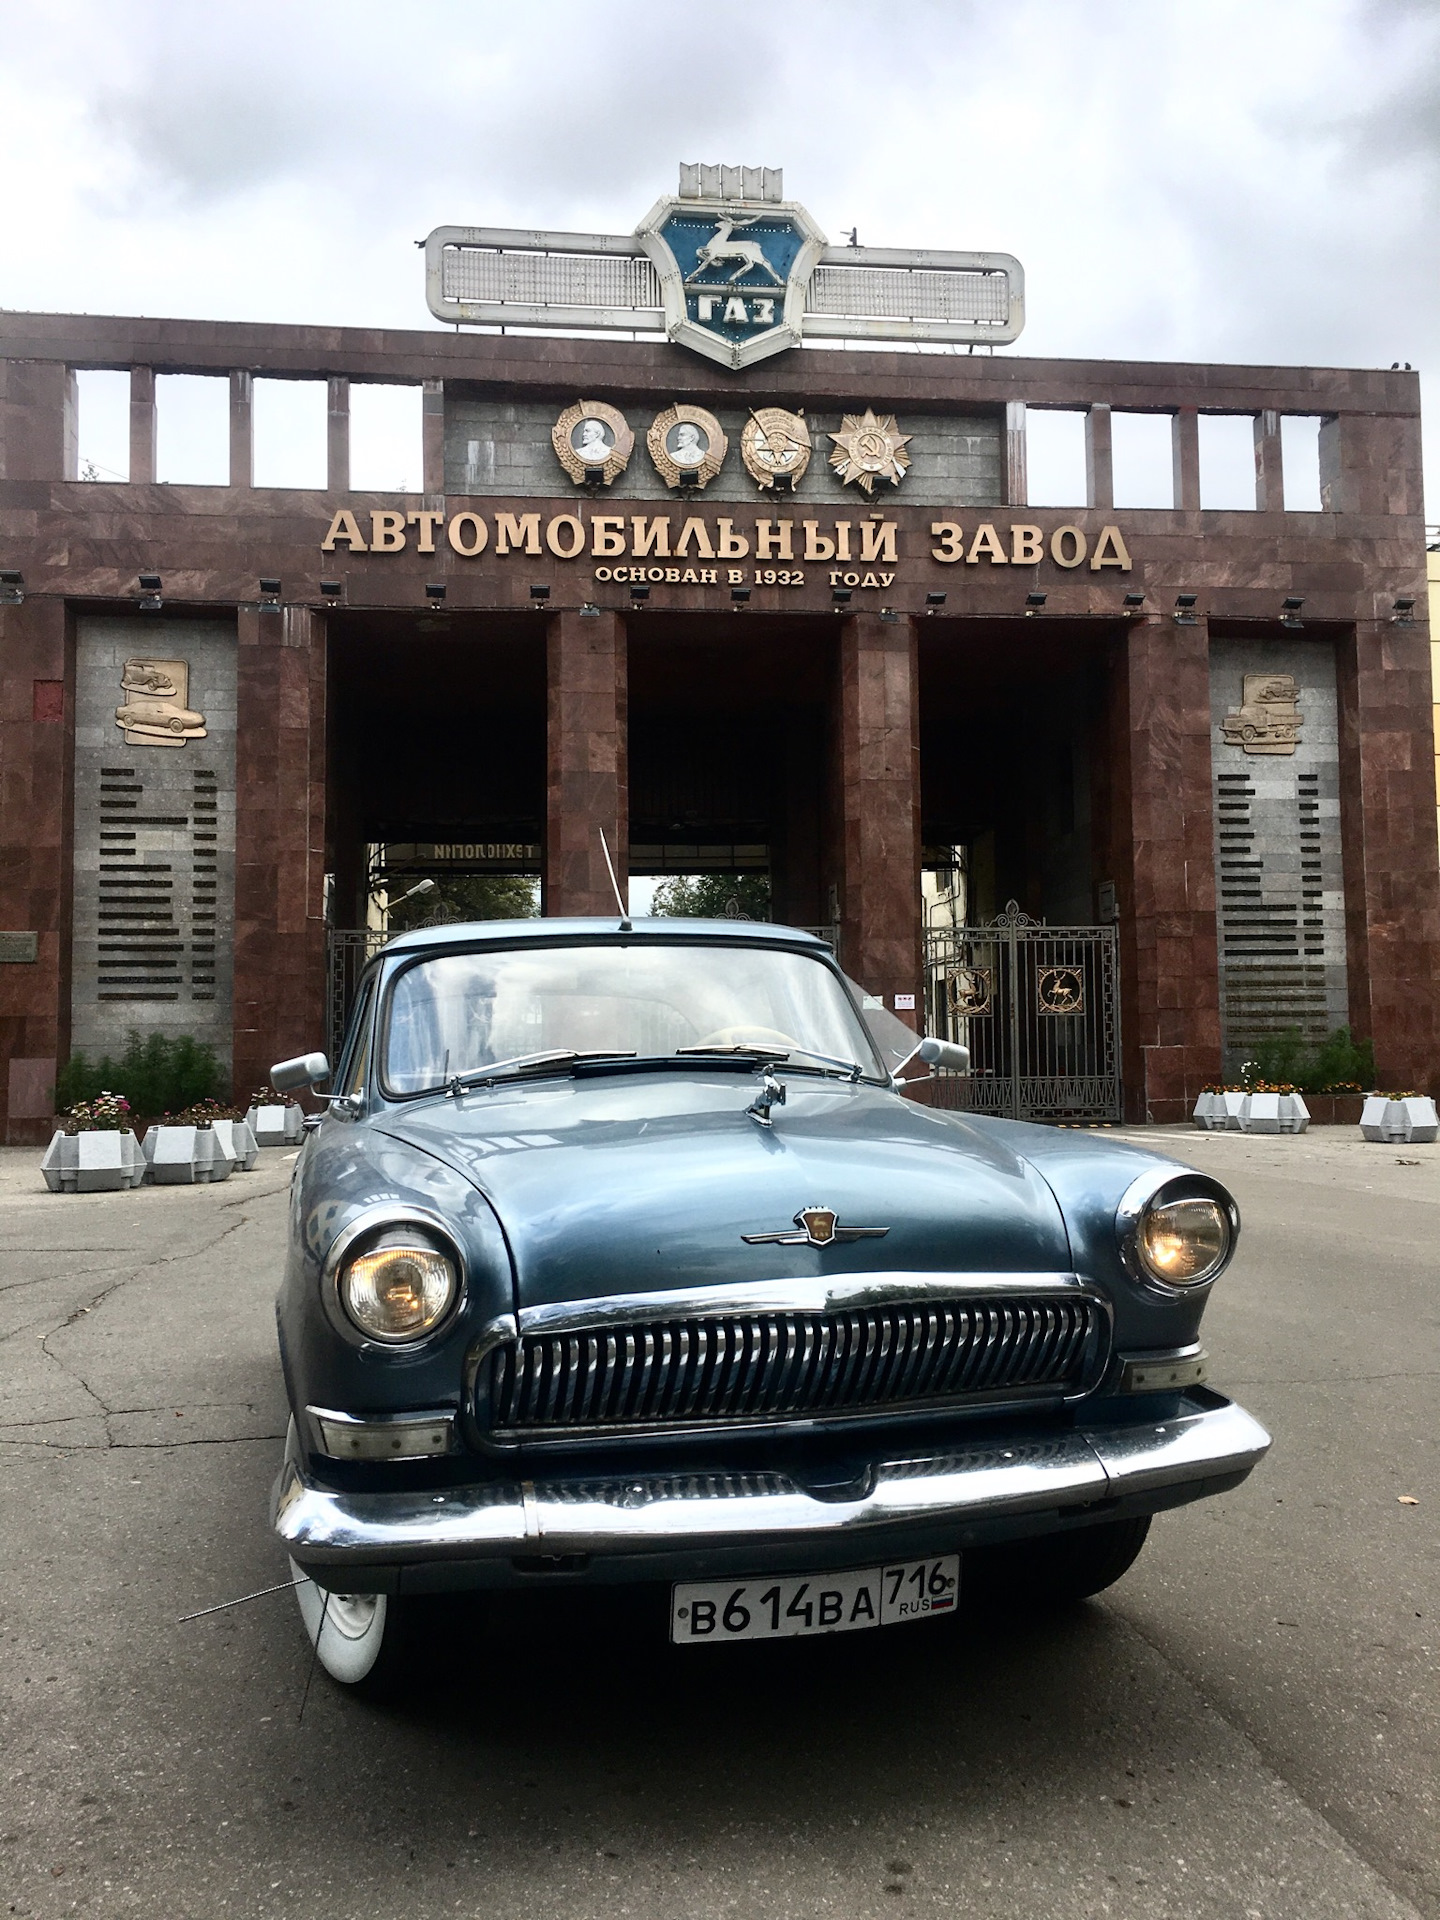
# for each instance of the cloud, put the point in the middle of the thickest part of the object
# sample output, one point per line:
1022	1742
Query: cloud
1206	179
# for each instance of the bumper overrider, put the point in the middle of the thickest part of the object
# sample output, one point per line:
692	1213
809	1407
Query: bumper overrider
670	1525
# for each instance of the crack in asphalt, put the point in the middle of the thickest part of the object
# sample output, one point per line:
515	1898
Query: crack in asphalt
124	1278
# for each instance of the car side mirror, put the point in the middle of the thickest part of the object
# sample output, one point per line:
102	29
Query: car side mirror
303	1071
944	1053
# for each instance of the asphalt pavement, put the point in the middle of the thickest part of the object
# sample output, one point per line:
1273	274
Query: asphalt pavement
1246	1726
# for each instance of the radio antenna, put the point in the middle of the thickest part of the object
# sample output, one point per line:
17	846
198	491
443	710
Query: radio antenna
615	884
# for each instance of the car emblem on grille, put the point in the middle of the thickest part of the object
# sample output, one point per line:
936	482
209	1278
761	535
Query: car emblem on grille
818	1227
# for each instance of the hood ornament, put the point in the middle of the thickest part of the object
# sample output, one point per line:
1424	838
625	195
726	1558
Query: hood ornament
817	1227
771	1094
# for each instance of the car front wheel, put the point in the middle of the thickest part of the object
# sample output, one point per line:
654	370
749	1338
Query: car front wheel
1056	1569
355	1635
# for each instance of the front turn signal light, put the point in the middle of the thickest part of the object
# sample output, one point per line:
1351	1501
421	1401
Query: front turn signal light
398	1293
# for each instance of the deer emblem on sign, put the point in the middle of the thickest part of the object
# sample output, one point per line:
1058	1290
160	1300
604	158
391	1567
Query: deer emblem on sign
720	249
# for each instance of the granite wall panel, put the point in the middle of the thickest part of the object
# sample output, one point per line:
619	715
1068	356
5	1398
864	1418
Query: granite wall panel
502	447
154	871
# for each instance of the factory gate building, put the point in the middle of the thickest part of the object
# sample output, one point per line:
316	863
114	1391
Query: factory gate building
791	616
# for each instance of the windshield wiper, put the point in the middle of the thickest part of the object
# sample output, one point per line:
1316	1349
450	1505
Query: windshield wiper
523	1063
776	1056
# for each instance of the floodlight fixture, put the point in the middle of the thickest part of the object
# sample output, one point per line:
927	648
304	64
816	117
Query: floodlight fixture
841	596
331	589
740	596
639	595
539	594
435	591
1185	609
1034	602
1404	610
934	600
12	587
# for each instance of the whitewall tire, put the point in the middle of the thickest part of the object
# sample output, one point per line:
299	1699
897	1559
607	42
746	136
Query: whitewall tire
347	1630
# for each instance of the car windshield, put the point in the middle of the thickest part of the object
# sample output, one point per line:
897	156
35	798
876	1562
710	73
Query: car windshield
457	1013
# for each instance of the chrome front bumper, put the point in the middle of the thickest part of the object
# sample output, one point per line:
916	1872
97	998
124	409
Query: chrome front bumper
658	1522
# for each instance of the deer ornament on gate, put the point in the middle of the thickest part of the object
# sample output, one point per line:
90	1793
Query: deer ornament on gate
720	248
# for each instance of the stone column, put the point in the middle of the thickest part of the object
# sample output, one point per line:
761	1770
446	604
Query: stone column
1392	875
242	430
142	425
587	772
1099	464
337	435
879	775
1185	458
279	840
1163	859
36	770
1017	484
1269	466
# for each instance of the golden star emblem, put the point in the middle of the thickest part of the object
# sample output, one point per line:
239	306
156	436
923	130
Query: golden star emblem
868	449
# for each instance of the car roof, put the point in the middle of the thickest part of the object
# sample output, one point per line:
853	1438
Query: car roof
603	927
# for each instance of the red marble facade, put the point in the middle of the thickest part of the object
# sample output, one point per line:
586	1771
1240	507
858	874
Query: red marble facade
81	545
586	780
279	841
879	781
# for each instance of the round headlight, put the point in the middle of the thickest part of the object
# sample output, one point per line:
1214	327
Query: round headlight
398	1292
1184	1242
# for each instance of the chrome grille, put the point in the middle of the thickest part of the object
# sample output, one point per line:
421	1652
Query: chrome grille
758	1366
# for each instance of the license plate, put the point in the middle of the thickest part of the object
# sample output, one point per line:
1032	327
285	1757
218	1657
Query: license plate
704	1612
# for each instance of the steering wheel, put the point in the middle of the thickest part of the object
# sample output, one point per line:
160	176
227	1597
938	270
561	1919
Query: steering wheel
742	1036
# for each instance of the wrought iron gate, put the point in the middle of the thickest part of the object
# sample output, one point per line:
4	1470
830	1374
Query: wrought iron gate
1039	1009
348	951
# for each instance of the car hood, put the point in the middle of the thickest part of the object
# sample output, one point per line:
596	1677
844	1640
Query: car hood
641	1183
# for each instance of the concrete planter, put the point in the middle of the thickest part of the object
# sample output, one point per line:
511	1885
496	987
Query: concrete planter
1219	1112
238	1141
277	1126
1413	1120
180	1156
93	1162
1273	1113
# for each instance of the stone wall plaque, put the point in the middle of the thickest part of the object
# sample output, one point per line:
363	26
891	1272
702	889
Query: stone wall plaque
156	710
21	949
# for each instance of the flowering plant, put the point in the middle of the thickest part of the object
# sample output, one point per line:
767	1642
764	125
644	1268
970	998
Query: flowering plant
203	1113
106	1113
268	1097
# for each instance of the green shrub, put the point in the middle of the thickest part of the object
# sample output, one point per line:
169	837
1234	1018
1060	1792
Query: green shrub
1284	1059
157	1073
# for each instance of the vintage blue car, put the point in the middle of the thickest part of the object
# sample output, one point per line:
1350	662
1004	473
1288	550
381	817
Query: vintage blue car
619	1255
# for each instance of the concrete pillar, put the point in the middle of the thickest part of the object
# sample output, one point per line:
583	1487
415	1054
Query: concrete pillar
1162	855
279	840
242	430
879	776
1185	458
433	434
587	772
1099	467
1269	471
337	435
1017	485
142	425
36	776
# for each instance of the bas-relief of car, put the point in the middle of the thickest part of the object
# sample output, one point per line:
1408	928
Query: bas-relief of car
620	1255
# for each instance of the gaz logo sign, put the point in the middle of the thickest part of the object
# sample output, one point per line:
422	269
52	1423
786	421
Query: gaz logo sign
733	273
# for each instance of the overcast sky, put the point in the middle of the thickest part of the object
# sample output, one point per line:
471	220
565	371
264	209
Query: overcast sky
1241	180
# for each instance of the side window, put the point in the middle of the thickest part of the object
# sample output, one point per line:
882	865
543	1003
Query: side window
354	1070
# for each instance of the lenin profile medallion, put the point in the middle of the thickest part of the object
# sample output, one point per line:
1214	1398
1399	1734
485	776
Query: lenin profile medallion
775	447
687	445
592	442
870	448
